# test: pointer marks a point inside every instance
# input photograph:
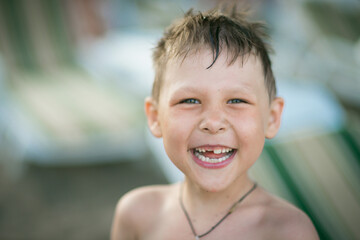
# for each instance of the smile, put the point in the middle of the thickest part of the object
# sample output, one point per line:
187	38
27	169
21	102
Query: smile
213	157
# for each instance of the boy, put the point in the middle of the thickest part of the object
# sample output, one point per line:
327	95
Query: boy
213	103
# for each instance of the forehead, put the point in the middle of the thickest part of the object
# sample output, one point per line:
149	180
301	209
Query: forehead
246	72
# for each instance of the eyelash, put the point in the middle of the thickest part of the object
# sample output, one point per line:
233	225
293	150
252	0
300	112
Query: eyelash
236	101
190	101
195	101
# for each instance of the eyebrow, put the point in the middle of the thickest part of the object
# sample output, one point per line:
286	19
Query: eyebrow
246	90
183	90
186	89
237	90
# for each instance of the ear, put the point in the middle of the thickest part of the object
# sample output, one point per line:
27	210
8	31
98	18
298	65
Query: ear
151	111
274	120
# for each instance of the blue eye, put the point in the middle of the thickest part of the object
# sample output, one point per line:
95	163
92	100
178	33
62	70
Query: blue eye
190	101
235	101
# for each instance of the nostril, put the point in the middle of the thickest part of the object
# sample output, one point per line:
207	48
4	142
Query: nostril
213	130
213	125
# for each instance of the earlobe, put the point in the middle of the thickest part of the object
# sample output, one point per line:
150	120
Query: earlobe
274	119
151	112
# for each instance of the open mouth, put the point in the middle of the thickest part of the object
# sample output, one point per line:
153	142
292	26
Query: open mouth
211	157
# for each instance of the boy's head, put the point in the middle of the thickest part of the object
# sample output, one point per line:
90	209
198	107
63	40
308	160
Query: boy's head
210	101
222	33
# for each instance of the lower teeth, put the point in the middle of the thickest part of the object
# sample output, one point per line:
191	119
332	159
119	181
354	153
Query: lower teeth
211	160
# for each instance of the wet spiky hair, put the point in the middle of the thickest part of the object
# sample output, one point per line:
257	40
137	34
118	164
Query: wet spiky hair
216	30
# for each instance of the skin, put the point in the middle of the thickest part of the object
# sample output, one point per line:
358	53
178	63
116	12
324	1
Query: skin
226	106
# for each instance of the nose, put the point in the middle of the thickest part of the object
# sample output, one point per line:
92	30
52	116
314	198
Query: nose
213	122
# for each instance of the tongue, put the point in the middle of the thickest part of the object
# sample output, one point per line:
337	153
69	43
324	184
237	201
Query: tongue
213	155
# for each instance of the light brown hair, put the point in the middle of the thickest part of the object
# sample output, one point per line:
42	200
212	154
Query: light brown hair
216	30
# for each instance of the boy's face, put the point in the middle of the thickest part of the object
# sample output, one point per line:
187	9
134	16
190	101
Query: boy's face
214	121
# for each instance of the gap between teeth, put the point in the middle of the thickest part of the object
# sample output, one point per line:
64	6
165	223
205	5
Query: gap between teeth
216	151
211	160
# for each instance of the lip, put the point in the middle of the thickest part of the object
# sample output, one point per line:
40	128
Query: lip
213	165
212	147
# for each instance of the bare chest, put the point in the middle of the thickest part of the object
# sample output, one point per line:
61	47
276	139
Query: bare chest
176	227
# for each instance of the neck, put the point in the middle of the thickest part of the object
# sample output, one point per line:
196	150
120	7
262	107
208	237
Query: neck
200	202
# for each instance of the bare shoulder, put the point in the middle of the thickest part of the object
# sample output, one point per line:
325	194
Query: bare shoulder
282	220
138	210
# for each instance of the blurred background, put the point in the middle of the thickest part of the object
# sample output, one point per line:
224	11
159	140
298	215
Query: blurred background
73	136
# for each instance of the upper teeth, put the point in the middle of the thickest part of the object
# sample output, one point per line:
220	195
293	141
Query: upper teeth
216	151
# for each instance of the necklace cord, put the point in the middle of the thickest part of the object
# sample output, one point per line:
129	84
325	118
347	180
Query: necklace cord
232	208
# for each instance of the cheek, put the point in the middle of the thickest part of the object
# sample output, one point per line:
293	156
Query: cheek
251	135
176	131
250	124
175	144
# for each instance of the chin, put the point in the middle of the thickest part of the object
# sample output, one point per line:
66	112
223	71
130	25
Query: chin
221	182
218	185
